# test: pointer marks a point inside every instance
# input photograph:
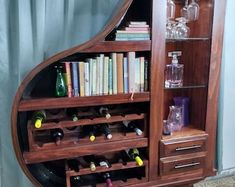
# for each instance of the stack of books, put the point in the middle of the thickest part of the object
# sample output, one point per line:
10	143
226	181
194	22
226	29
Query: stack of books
136	30
105	75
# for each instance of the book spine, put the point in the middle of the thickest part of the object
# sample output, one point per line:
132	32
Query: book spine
137	74
86	79
94	77
145	75
131	71
81	79
141	74
98	75
106	75
125	74
68	79
101	92
91	75
120	73
110	86
75	78
114	59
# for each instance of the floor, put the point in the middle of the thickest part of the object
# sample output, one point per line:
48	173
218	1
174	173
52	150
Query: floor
219	181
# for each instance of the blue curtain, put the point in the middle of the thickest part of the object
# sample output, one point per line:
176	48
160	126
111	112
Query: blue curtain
31	31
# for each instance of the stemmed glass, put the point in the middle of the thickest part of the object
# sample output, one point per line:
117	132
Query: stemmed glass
170	9
184	11
182	30
193	11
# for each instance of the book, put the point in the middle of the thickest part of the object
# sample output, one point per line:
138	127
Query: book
114	59
97	75
132	35
137	23
110	77
68	79
90	62
101	74
106	76
137	29
119	72
86	79
94	77
125	74
81	78
132	32
75	79
137	74
131	38
131	71
145	75
141	73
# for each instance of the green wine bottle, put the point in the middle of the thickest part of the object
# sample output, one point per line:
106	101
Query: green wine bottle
60	88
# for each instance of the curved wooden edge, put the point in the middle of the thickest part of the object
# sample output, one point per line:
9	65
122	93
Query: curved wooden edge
14	114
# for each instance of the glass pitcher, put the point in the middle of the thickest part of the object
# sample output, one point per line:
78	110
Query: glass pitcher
175	118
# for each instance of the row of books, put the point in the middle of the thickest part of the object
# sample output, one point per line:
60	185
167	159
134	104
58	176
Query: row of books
136	30
106	75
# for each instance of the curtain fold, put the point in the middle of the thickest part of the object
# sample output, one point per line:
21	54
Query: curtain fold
30	32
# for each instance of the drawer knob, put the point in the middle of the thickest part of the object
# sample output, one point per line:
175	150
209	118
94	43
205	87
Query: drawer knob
188	148
187	165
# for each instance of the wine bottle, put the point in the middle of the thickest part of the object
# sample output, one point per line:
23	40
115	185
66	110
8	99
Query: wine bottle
90	131
73	164
76	181
134	155
57	135
72	114
60	87
107	179
90	159
132	126
106	131
104	111
102	161
38	118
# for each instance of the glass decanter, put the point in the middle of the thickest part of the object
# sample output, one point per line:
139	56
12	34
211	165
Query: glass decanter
60	87
174	71
174	119
170	9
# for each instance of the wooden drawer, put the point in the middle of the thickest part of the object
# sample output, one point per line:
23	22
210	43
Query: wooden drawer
182	146
183	163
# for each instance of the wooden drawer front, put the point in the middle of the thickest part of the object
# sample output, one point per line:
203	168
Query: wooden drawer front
177	164
182	147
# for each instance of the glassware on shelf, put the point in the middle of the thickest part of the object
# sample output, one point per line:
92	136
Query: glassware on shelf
184	11
60	87
167	130
170	9
170	29
174	119
174	71
184	103
181	30
193	11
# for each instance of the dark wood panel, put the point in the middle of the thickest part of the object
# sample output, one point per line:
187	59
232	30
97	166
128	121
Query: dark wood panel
77	150
119	46
63	102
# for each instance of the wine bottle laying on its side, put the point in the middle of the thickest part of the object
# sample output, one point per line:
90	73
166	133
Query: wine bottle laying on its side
134	155
91	131
90	160
57	135
38	118
106	131
132	126
104	111
107	179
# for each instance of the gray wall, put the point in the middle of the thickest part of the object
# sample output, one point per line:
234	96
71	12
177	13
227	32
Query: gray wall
226	130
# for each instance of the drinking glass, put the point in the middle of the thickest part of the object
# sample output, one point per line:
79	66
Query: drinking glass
170	29
170	9
193	11
182	30
184	11
175	118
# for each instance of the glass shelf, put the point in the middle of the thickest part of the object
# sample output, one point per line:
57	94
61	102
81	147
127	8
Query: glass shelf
188	87
188	39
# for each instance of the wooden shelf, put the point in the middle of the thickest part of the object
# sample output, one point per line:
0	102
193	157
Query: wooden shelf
99	169
185	132
80	150
63	102
120	46
100	120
